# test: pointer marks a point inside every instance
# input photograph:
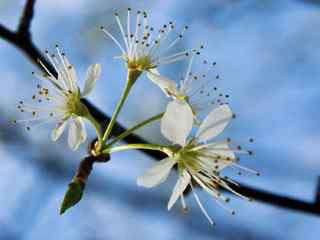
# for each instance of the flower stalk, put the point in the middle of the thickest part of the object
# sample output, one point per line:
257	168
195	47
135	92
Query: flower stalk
155	147
134	128
133	75
96	125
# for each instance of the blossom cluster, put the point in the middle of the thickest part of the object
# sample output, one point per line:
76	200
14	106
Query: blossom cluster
196	113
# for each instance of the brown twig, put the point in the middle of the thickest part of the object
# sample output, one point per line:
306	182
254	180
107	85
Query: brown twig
21	38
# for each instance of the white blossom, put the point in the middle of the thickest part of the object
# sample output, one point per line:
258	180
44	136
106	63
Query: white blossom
58	99
195	90
143	48
199	159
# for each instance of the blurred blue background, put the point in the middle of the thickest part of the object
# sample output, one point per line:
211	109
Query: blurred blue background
268	56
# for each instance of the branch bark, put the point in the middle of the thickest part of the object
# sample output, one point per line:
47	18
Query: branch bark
26	18
22	39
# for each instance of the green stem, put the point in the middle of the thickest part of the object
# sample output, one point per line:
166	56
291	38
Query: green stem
131	78
154	147
96	126
134	128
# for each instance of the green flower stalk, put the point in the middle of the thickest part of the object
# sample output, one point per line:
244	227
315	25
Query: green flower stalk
134	128
132	76
155	147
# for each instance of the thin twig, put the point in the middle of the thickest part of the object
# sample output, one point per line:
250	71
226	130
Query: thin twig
22	40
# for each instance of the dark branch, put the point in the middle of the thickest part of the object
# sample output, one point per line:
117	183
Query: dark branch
6	33
313	2
278	200
317	201
26	19
22	40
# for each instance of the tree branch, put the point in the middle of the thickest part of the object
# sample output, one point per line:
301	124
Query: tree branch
278	200
21	38
317	196
26	19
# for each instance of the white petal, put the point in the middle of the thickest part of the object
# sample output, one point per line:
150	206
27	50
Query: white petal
77	133
226	156
177	122
179	188
214	123
156	174
57	131
223	150
168	86
155	71
93	73
73	76
217	165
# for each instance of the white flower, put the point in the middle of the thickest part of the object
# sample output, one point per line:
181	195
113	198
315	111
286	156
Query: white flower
143	48
198	160
60	101
195	90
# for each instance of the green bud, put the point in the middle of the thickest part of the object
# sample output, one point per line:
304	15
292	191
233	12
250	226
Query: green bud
73	195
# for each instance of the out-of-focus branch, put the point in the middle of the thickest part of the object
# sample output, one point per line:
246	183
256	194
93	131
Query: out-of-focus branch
317	197
314	2
21	38
281	201
26	19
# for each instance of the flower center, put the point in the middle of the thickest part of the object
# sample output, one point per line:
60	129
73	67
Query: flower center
75	106
186	158
140	63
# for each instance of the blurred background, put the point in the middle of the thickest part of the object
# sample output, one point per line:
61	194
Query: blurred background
267	55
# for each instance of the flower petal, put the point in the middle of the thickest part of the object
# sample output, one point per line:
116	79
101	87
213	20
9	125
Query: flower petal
57	131
177	122
77	133
179	188
214	123
72	75
156	174
222	152
93	73
168	86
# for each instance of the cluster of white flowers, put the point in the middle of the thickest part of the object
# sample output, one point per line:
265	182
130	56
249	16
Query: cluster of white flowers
199	160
